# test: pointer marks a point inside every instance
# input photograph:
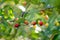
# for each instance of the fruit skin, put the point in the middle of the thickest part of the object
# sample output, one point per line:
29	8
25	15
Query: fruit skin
46	24
24	3
16	25
46	17
33	23
40	23
26	22
34	26
56	23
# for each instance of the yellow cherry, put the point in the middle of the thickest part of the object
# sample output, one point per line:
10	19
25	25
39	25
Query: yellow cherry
24	3
34	26
46	24
57	24
46	17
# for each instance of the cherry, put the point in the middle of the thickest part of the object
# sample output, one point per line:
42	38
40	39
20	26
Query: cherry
40	23
46	17
33	23
24	3
16	25
26	22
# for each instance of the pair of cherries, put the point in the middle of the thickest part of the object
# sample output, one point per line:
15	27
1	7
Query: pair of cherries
39	22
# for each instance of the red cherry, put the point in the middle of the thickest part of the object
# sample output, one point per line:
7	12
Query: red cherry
40	23
33	23
16	25
26	22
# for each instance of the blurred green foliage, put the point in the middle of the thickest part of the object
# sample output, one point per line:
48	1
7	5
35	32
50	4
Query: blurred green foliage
8	11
